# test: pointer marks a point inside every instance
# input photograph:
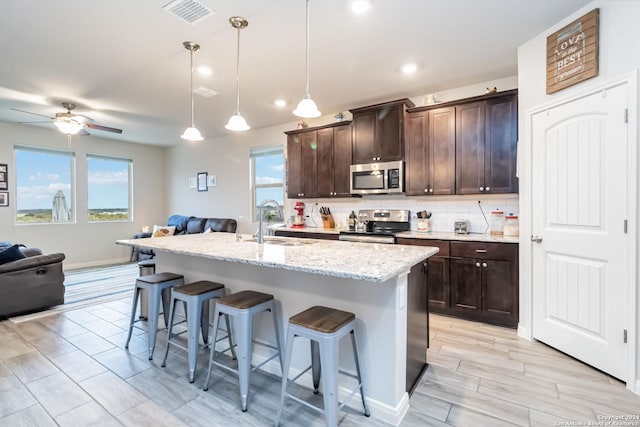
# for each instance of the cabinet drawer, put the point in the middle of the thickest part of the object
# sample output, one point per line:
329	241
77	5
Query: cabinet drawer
481	250
443	245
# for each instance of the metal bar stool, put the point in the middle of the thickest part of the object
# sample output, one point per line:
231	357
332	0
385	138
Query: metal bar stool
244	306
146	267
156	286
324	327
195	297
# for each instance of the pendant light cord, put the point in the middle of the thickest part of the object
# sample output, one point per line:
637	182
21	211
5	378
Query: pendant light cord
307	35
238	75
191	83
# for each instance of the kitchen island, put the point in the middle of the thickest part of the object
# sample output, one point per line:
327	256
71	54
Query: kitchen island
384	285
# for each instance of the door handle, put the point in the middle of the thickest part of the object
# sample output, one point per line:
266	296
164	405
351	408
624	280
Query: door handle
536	239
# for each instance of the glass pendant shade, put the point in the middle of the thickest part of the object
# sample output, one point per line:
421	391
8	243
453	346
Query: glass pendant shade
307	108
69	127
192	134
237	123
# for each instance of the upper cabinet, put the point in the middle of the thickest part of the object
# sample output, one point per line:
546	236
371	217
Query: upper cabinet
430	152
466	146
378	132
486	143
318	161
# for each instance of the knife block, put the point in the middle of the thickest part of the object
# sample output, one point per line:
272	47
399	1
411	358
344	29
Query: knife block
327	221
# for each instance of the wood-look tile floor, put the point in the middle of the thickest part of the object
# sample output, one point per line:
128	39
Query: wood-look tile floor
70	369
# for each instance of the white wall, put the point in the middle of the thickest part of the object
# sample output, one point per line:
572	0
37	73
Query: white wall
83	243
227	157
619	34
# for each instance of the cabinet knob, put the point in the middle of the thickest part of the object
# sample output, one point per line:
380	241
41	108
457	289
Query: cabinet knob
481	188
477	264
484	264
431	190
488	189
426	190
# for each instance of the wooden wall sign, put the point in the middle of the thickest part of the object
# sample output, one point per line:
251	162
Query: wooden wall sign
572	52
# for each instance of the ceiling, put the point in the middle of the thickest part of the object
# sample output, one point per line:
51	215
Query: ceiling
123	63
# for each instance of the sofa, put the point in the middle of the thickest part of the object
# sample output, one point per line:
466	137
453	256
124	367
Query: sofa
32	283
185	225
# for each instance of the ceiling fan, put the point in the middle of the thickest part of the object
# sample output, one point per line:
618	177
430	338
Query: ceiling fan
70	123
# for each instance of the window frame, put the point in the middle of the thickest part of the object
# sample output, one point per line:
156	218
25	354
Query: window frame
254	153
129	185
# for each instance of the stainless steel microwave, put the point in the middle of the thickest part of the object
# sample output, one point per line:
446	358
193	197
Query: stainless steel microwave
377	178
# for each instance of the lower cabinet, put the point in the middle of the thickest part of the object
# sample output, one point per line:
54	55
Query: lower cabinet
473	280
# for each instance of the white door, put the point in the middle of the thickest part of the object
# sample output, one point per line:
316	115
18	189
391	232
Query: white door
579	207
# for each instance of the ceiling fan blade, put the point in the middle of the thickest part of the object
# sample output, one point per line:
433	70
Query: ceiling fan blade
83	132
104	128
39	121
36	114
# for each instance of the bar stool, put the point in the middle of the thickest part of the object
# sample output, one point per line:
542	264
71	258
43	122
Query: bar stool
146	267
156	286
244	305
324	327
195	297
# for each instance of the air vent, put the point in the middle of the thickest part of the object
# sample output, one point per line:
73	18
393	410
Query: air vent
189	11
204	91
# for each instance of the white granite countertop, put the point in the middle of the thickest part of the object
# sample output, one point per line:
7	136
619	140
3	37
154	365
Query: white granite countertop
360	261
433	235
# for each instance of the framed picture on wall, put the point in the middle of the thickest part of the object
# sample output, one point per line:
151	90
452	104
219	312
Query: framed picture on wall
4	198
202	181
3	177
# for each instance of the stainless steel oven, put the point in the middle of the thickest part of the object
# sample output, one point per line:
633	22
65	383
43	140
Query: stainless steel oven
377	178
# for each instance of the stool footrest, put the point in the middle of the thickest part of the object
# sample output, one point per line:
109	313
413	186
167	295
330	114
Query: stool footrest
305	403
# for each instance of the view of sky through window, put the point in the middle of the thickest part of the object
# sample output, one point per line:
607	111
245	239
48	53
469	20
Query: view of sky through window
39	176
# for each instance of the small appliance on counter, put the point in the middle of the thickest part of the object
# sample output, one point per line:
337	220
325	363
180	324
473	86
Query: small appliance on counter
297	220
462	226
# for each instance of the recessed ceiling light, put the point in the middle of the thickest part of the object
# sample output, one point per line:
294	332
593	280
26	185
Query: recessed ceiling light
360	6
409	68
204	70
280	103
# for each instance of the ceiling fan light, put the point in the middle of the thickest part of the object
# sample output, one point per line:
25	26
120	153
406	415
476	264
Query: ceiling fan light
307	108
192	134
237	123
68	127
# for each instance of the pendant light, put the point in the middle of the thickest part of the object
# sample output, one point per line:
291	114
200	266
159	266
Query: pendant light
307	108
237	122
191	133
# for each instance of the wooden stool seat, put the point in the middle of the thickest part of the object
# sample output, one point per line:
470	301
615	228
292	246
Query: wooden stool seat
322	319
154	279
198	288
244	299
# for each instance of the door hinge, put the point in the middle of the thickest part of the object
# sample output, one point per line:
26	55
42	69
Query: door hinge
626	115
626	223
624	336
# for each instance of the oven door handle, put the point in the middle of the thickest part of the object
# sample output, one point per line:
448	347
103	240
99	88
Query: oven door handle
368	239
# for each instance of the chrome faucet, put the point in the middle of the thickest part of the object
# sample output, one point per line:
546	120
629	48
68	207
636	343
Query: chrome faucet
263	204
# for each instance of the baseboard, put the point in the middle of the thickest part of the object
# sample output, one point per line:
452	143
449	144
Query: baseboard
380	411
637	388
100	263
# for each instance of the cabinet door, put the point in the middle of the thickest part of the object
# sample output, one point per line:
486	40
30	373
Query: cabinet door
309	172
438	283
416	154
364	129
325	162
341	161
389	138
294	166
501	137
441	155
500	292
466	287
470	134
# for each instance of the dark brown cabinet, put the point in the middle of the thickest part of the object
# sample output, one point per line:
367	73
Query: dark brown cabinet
318	161
486	139
430	152
472	280
334	159
378	132
306	235
484	282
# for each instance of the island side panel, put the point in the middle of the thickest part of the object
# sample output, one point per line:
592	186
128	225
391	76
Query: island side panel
417	325
380	308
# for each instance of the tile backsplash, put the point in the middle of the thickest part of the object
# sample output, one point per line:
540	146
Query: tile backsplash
445	209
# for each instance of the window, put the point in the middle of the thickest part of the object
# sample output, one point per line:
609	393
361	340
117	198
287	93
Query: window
267	181
44	185
108	189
